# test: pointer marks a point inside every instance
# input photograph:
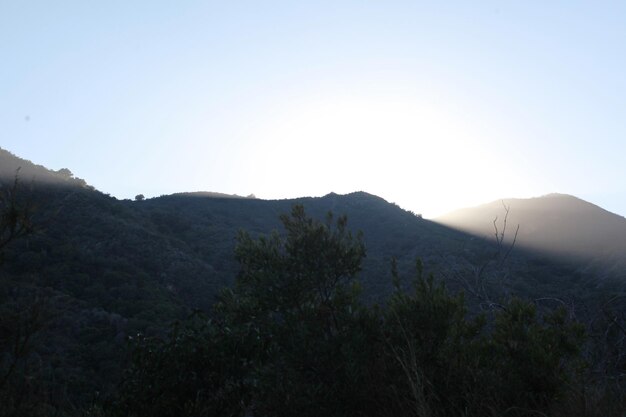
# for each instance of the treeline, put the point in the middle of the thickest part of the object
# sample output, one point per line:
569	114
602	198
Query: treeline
293	338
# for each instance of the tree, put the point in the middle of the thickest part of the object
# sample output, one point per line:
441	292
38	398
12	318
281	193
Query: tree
442	363
22	316
289	339
532	358
430	348
66	173
15	215
297	296
309	267
195	370
139	197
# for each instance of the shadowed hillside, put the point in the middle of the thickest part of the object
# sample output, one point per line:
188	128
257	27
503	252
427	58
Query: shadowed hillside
102	270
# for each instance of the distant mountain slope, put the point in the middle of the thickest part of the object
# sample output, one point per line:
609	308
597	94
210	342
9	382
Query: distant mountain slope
556	223
28	172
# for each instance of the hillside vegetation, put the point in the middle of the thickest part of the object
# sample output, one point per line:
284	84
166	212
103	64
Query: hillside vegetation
94	272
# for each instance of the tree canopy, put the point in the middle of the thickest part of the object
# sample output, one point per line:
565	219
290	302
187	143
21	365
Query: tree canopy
292	337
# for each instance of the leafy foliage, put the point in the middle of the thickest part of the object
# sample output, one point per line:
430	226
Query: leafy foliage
193	371
293	338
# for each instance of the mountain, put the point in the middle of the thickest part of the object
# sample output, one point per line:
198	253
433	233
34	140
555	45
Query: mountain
99	270
558	224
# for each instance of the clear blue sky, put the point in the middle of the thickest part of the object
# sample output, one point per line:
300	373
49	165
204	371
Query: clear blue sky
433	105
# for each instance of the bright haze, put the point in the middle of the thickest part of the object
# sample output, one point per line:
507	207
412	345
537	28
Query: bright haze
432	105
557	224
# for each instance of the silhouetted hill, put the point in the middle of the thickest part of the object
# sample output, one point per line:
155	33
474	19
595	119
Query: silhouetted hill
28	172
558	224
210	194
105	269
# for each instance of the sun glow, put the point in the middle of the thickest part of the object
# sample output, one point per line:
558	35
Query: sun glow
426	158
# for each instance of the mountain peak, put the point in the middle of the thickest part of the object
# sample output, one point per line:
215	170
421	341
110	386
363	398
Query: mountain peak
555	223
559	195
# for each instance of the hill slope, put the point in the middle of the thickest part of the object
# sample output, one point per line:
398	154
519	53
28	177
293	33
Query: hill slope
104	269
29	173
558	224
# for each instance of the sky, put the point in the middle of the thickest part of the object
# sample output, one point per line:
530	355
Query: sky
432	105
